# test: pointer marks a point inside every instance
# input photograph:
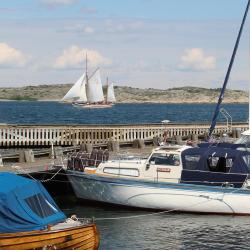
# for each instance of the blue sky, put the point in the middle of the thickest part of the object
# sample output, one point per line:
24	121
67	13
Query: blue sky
140	43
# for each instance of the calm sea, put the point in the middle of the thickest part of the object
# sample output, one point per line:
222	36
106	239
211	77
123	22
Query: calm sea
60	113
164	231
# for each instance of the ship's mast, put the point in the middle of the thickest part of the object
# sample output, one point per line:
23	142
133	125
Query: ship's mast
107	79
221	97
249	95
86	69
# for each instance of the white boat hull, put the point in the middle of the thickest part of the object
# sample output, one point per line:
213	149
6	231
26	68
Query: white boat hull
161	196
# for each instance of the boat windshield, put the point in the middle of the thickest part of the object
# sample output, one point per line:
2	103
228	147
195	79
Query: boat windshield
165	159
40	205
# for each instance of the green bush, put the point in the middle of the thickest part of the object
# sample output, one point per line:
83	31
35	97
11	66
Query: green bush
22	98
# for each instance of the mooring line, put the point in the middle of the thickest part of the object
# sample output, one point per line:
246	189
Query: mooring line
157	213
22	171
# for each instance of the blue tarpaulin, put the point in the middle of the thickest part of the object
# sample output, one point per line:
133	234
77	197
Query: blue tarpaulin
25	205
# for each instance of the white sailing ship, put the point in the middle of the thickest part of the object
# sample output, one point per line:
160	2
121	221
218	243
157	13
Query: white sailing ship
87	92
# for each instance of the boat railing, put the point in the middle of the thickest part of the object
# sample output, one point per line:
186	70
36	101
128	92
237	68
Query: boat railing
79	160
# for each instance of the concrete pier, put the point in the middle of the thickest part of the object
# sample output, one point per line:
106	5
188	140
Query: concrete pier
61	135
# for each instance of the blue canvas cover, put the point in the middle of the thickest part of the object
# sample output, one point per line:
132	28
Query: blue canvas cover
25	205
215	164
241	159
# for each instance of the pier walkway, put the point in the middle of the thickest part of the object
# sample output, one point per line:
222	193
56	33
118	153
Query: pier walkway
61	135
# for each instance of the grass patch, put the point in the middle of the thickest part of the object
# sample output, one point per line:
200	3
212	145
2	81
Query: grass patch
22	98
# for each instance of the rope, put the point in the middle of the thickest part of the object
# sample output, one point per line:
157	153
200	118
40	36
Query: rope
162	212
52	176
22	171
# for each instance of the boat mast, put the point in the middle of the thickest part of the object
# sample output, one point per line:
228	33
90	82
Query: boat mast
86	69
107	89
249	93
217	109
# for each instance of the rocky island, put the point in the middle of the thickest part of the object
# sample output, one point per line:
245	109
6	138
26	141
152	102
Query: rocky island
55	92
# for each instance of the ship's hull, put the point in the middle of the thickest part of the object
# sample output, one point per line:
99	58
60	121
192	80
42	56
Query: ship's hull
80	237
93	106
161	196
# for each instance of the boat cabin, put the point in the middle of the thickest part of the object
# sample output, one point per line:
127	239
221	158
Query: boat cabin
163	164
217	165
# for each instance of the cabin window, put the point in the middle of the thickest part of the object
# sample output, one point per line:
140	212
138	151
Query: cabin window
246	159
40	205
165	159
220	164
191	161
122	171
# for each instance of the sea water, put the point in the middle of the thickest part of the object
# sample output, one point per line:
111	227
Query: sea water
61	113
157	231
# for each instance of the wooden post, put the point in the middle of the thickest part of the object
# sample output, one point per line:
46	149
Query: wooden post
234	133
1	161
238	133
113	146
29	156
141	144
178	139
21	156
194	138
89	147
156	141
58	152
82	147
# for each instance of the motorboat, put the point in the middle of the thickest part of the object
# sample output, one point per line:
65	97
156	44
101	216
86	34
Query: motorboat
30	219
213	179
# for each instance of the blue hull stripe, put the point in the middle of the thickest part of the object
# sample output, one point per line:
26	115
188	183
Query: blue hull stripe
162	185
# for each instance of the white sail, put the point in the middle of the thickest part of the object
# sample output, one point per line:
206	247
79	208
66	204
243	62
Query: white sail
111	93
75	92
94	88
82	95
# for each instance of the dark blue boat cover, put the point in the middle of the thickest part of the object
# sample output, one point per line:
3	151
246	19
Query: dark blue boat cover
215	164
197	158
25	205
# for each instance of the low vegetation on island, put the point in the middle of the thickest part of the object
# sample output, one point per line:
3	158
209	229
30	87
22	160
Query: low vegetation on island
55	92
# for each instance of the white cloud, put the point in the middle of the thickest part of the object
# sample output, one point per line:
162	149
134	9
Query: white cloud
11	57
88	30
195	60
54	3
74	57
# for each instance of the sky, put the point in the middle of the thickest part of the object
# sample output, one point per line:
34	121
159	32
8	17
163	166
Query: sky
138	43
